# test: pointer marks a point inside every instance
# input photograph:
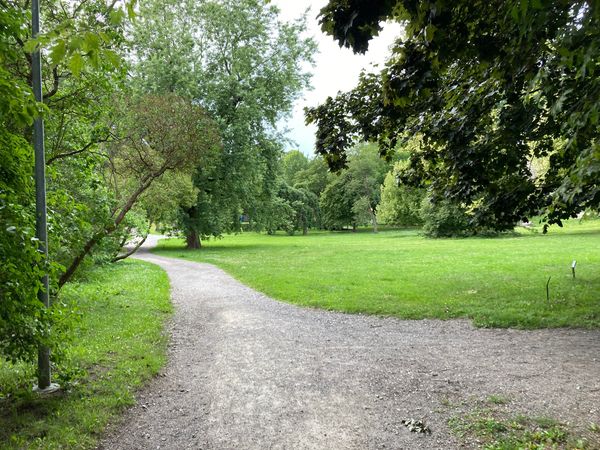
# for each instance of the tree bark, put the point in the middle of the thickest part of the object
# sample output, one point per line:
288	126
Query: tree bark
89	245
193	241
132	251
374	221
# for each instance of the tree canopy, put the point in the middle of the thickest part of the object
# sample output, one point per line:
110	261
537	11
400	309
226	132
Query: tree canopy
243	64
505	94
82	69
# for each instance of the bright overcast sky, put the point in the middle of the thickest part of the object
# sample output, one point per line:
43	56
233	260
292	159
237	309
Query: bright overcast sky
336	69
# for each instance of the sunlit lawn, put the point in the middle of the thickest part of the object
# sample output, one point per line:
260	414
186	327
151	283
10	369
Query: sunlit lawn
498	282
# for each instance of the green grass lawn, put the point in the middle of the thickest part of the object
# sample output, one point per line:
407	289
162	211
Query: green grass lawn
118	344
497	282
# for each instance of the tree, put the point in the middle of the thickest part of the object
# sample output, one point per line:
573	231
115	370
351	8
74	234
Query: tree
291	210
353	196
400	204
304	206
158	134
22	319
367	172
336	204
241	63
490	86
292	163
82	71
80	64
314	177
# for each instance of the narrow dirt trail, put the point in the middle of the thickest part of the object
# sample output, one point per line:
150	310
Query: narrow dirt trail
248	372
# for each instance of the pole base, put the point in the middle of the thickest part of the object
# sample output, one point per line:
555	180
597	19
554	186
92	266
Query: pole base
47	390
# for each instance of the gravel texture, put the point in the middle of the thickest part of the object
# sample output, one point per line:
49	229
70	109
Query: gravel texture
248	372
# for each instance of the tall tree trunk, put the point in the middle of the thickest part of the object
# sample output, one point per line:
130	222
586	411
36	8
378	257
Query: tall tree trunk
193	240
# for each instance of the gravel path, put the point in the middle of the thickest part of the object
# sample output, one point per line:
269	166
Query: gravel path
248	372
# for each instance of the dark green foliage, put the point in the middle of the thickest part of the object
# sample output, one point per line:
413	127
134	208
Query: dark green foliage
17	105
293	163
491	87
291	210
444	218
336	205
304	205
314	177
23	320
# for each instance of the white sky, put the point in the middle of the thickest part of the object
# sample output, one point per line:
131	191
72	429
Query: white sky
336	69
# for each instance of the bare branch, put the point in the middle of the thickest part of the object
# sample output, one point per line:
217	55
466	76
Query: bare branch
55	82
134	249
76	152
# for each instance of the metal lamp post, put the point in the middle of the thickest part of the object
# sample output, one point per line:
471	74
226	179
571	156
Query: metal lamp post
45	384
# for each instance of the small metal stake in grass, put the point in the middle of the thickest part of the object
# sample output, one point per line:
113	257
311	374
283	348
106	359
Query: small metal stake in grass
548	290
573	264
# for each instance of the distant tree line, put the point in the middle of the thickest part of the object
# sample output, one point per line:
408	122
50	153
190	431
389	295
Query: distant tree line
369	191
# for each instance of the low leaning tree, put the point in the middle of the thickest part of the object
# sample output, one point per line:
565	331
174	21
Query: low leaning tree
157	134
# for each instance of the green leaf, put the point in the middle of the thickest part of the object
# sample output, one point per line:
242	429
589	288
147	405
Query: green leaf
31	110
91	42
75	43
116	17
430	32
105	37
113	58
524	7
130	9
76	64
31	45
94	59
57	53
514	12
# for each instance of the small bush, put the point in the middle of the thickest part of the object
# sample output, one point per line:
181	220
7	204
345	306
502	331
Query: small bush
444	218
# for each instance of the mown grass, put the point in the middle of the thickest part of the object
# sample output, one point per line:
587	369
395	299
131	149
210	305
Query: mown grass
118	344
497	282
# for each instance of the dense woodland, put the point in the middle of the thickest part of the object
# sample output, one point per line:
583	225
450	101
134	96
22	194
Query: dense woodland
166	112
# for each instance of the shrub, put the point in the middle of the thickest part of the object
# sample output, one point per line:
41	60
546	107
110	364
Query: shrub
23	320
443	218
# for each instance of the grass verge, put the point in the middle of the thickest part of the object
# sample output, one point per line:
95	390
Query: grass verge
492	429
497	282
119	344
